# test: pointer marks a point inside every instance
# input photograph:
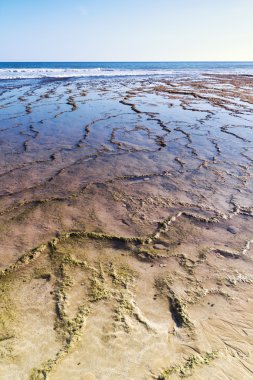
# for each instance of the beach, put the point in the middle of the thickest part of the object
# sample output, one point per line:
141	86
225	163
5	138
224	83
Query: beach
126	214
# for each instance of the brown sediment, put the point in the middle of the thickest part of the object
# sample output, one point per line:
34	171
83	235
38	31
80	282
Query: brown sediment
160	141
132	105
84	93
143	258
72	103
28	109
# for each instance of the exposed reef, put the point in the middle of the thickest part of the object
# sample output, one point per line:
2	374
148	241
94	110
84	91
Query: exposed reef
126	228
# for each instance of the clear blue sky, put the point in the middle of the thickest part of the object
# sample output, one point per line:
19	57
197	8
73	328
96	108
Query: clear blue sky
126	30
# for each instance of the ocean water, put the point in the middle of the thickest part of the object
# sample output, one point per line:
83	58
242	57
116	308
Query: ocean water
36	70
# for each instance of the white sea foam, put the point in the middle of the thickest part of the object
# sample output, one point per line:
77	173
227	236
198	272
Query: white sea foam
69	73
39	73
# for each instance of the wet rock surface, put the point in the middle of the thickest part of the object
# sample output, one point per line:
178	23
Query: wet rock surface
126	228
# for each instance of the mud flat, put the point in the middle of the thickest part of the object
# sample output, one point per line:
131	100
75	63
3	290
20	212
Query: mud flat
126	228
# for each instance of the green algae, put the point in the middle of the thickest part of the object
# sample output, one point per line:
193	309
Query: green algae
178	307
63	256
8	316
125	308
179	311
189	366
24	260
7	308
42	273
203	255
62	285
98	290
59	251
186	263
68	329
73	331
163	283
148	254
121	275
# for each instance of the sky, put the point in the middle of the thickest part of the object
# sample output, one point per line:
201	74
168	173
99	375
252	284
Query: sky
126	30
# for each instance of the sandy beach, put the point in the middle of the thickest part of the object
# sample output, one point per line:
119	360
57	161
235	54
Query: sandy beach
126	244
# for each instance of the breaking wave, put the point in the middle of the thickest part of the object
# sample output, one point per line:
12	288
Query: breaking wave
75	73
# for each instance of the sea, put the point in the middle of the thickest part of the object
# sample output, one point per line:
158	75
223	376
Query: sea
37	70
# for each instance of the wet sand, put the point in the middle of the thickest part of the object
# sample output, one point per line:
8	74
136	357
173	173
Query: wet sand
126	238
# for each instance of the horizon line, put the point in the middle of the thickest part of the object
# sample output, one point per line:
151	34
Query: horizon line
146	61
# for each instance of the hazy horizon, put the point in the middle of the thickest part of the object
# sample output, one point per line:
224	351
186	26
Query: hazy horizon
172	61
